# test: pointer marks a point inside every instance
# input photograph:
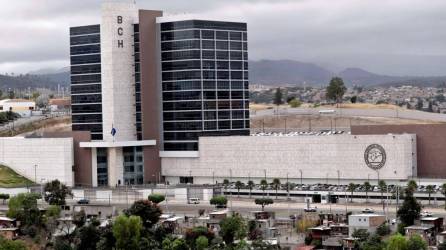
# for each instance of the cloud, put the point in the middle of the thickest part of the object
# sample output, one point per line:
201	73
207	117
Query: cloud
396	37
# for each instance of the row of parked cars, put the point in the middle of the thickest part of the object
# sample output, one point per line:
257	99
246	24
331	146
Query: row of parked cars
334	188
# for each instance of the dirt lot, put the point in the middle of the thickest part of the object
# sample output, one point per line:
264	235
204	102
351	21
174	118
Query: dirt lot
316	122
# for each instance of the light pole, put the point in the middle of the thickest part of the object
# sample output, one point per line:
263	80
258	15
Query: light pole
35	173
287	188
230	180
339	180
301	184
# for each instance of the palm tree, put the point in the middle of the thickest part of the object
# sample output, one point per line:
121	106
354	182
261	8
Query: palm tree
263	185
226	184
276	185
382	186
250	186
351	188
412	186
238	185
443	191
367	188
429	190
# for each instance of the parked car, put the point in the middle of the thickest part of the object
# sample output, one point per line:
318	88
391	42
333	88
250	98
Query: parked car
193	201
425	214
83	201
368	211
310	209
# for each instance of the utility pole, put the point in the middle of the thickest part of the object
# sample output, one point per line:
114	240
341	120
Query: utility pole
287	188
230	180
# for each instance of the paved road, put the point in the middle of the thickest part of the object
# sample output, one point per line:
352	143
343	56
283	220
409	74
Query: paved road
351	112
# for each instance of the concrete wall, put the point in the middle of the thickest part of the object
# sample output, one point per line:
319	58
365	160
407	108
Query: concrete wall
118	72
431	143
53	157
318	157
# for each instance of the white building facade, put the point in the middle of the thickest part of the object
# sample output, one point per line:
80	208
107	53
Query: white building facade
39	159
341	158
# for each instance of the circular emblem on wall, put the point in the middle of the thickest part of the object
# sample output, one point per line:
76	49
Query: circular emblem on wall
375	156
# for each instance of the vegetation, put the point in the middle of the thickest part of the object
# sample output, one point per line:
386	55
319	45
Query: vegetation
429	190
411	208
4	197
263	186
219	200
239	185
336	90
127	231
250	185
276	185
264	202
295	103
233	228
55	192
351	188
367	188
156	198
148	211
10	179
443	191
382	186
278	97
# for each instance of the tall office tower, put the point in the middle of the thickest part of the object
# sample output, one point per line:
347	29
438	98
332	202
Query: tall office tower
204	81
86	94
137	78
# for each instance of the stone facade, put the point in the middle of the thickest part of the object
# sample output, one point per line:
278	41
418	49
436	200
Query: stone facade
318	158
40	159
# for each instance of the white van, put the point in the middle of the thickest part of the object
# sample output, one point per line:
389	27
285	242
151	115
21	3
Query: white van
193	201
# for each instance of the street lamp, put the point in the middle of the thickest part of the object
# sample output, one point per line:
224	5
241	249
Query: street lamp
35	173
300	170
339	181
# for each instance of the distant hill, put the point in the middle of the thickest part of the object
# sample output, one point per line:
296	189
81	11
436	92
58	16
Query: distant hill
288	72
282	72
267	72
34	81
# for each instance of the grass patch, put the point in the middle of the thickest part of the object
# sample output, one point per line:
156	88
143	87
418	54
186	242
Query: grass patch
10	179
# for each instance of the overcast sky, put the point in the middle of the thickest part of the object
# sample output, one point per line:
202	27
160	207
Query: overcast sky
395	37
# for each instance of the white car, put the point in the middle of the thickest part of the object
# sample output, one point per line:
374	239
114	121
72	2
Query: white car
310	209
368	211
426	214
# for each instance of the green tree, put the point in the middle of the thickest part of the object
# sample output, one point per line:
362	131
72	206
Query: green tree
397	242
201	243
429	190
415	242
278	97
239	185
263	185
383	230
156	198
55	193
79	218
354	99
4	197
250	185
443	191
147	211
373	242
351	188
295	103
442	246
264	202
367	188
127	231
219	200
412	186
24	208
336	90
6	244
276	185
382	186
361	234
225	183
87	236
233	228
410	209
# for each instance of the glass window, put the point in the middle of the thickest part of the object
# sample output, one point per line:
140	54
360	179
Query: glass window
223	45
207	44
207	34
221	35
